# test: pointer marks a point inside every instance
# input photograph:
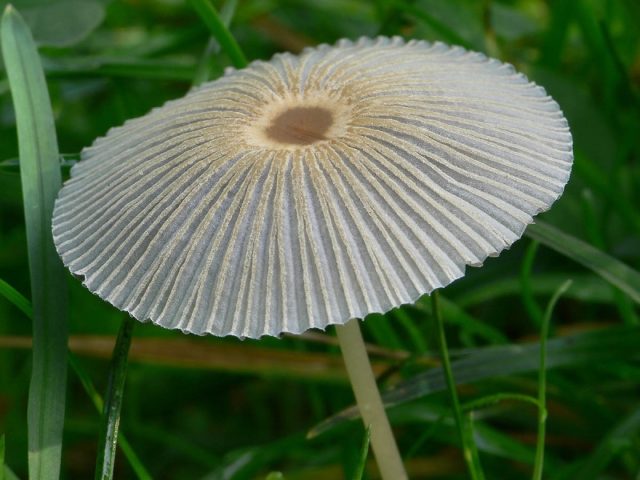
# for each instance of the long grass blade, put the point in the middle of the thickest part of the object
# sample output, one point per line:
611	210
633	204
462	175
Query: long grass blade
203	69
200	354
134	461
466	437
587	348
41	179
447	33
542	381
108	440
364	453
495	398
526	292
457	316
8	474
585	288
5	472
21	302
16	298
212	20
2	457
609	268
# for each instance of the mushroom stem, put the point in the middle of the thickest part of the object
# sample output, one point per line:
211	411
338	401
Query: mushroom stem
369	402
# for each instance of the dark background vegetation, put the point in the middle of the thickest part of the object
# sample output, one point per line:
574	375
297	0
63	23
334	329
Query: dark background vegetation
226	409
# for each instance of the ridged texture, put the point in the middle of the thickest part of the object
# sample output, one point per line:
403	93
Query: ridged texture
184	218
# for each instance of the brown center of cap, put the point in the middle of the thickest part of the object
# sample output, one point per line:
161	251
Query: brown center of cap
300	125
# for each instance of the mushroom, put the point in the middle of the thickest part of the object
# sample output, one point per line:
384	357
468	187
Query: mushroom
310	190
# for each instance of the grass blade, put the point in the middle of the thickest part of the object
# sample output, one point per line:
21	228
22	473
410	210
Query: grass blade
447	33
210	17
8	474
134	461
614	443
16	298
489	400
526	291
203	70
5	472
585	348
609	268
542	381
466	436
41	179
23	304
364	453
108	440
201	354
458	316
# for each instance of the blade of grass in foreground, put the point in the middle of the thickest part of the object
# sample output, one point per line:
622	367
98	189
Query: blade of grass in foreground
588	348
5	472
542	381
135	463
218	29
609	268
41	179
8	474
108	439
469	449
17	299
364	453
213	47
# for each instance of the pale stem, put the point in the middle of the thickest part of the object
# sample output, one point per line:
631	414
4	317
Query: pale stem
369	402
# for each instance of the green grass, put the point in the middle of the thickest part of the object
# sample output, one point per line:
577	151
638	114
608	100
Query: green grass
108	436
189	412
40	179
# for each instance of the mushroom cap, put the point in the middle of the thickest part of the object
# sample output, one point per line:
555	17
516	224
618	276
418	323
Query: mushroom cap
311	189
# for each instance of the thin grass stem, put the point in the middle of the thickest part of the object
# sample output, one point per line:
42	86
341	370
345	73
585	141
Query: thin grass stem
216	25
132	457
542	381
21	302
534	311
108	439
464	425
364	453
213	47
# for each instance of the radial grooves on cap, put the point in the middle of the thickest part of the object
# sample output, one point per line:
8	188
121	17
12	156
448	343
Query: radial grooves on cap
179	218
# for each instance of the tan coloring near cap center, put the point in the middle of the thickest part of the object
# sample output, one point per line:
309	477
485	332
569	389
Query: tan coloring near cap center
300	126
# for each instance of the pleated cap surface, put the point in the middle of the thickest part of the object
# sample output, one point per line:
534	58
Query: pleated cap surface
308	190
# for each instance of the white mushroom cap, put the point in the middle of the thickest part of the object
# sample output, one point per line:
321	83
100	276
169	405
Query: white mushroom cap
312	189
